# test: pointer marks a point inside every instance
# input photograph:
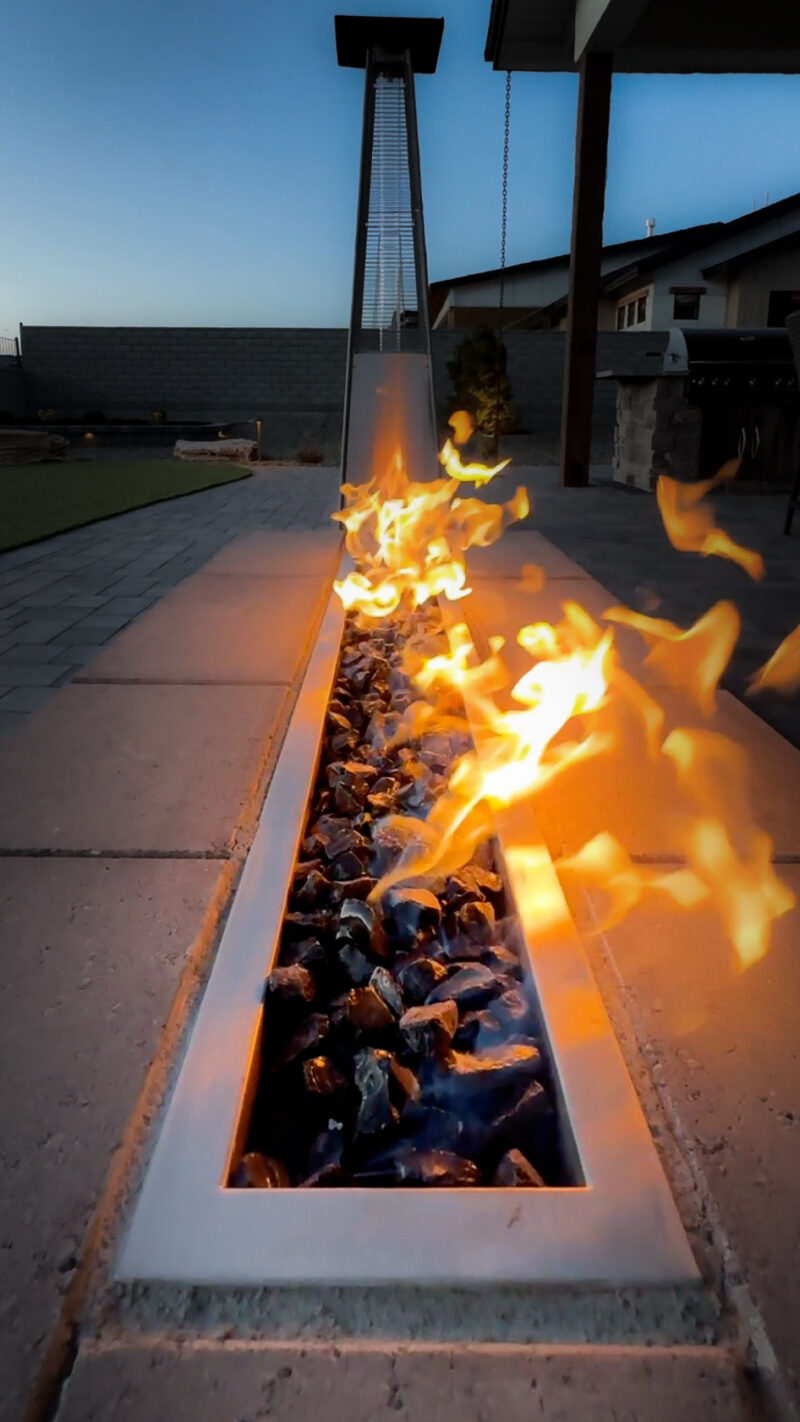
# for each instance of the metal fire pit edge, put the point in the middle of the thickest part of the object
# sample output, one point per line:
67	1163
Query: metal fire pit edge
620	1227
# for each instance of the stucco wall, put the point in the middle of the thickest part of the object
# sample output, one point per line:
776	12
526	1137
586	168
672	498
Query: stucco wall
763	273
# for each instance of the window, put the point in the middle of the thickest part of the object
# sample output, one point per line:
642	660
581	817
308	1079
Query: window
781	305
686	306
632	311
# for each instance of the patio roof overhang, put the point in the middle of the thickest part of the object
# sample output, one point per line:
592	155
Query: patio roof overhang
646	36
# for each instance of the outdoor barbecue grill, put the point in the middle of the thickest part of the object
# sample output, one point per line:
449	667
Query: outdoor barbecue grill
745	383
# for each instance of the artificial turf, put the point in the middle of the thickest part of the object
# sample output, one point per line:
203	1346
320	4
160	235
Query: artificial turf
37	500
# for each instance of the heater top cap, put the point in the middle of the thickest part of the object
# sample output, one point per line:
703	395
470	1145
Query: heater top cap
356	35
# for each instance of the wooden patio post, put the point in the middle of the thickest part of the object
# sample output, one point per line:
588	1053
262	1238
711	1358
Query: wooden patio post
586	246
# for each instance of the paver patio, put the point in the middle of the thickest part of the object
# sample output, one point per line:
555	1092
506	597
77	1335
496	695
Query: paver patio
100	915
63	600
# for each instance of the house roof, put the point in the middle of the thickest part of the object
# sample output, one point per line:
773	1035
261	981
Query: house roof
542	263
654	252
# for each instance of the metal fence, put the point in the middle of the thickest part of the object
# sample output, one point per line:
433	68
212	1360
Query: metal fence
9	350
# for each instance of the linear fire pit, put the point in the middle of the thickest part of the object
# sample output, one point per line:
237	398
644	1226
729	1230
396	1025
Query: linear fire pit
609	1220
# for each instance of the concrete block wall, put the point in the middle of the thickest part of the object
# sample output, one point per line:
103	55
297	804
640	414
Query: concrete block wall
237	373
190	372
13	397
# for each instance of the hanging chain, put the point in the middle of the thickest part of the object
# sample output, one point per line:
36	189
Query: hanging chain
504	217
503	233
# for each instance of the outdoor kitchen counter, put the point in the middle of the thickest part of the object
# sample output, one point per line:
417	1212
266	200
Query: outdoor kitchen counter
128	803
721	1043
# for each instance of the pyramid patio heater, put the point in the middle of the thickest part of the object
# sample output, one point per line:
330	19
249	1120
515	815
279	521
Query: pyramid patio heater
389	390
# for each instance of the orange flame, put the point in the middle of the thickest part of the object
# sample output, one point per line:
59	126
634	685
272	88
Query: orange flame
782	671
408	539
690	526
476	474
462	425
694	659
727	852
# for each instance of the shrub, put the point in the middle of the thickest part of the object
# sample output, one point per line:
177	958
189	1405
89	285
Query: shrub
478	371
309	456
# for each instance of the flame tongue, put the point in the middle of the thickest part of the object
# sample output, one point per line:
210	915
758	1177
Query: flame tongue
573	703
408	539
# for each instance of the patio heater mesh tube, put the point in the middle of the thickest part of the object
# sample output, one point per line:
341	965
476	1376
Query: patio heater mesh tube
390	298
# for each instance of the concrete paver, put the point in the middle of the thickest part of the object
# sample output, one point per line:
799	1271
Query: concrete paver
221	629
91	956
76	576
271	554
723	1044
127	769
475	1384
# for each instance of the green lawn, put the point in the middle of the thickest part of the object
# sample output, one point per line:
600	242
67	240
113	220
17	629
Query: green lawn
37	500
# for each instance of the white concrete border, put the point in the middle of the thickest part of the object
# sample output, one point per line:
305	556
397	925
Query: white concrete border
621	1227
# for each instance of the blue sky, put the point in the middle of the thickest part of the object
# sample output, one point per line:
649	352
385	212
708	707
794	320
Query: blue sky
168	162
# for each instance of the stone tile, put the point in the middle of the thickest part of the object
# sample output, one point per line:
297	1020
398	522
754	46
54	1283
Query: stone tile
507	557
10	721
36	630
213	1382
137	768
20	674
92	954
24	698
220	629
727	1047
276	555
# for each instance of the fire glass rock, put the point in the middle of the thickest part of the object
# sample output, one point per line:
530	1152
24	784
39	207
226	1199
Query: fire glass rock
477	1030
347	865
315	889
516	1172
357	920
309	1037
514	1012
406	1165
418	978
321	1078
404	1085
429	1030
501	960
303	925
260	1172
386	988
411	911
367	1010
372	1078
290	986
476	920
528	1114
464	1078
355	964
472	986
307	953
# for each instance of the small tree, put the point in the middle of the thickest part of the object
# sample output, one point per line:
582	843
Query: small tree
478	371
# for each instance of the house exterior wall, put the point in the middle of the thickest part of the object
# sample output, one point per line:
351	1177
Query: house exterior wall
761	274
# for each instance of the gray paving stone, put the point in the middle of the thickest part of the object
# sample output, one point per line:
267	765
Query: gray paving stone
31	653
36	631
50	674
213	1382
92	954
24	698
